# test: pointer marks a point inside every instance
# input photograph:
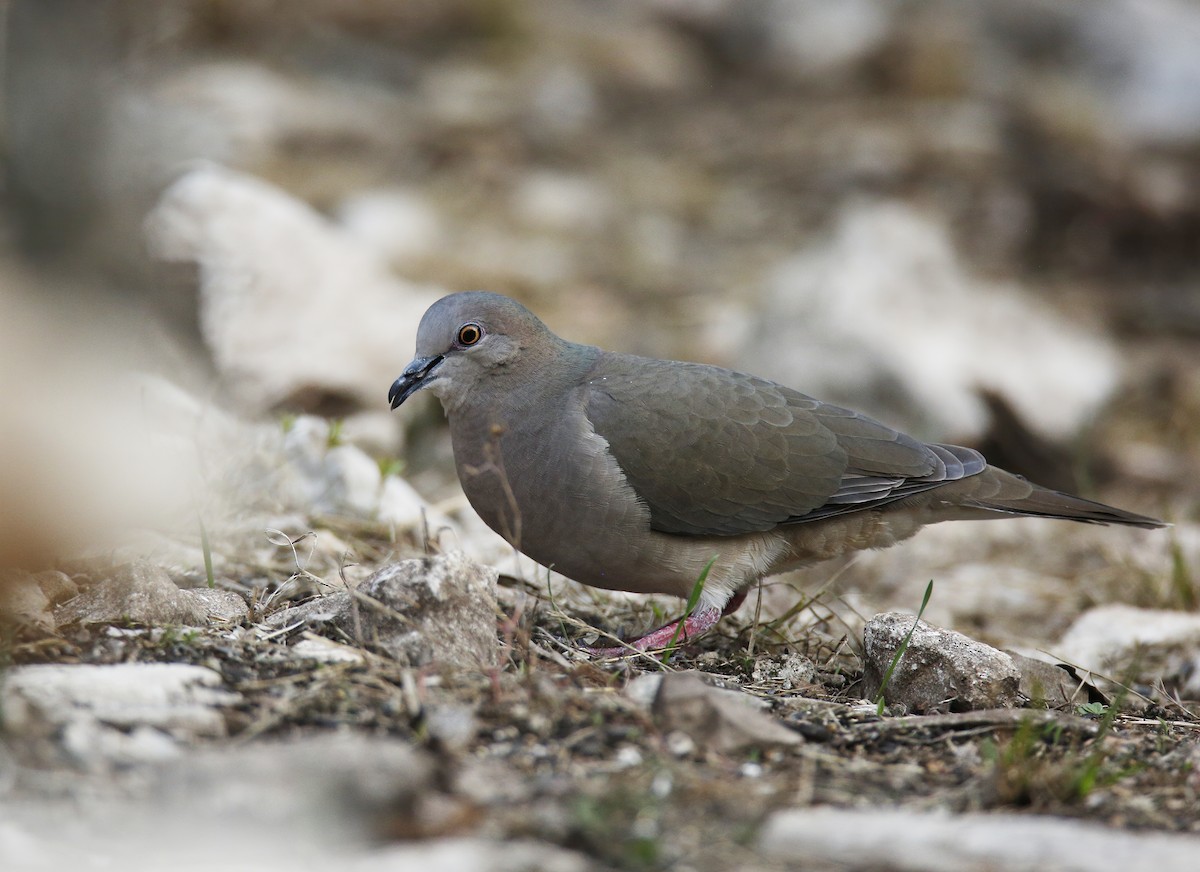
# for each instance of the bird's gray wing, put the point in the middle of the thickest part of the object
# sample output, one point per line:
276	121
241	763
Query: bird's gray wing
715	452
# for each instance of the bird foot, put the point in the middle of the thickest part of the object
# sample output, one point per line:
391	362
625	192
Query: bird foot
693	626
688	629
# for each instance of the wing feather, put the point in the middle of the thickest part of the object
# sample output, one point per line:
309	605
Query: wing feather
716	452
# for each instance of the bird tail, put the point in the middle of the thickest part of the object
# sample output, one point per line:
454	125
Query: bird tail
1007	494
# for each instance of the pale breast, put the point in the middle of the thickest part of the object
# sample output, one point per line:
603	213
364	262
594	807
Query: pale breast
552	489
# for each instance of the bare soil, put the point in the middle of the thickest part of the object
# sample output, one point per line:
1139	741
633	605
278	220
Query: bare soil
554	749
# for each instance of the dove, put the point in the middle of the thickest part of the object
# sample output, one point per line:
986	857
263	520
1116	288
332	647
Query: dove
636	474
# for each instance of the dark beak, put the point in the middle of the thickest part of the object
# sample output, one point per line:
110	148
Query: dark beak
413	379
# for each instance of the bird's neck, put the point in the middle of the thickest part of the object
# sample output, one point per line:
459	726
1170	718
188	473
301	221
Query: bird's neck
507	395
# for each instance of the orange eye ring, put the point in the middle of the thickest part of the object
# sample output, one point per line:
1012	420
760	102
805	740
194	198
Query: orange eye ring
469	334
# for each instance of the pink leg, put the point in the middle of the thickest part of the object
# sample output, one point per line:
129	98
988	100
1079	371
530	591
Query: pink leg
694	625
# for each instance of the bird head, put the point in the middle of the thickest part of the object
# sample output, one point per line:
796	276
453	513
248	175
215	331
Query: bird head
465	338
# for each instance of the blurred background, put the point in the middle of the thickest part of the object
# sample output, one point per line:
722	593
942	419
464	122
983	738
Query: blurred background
221	221
979	222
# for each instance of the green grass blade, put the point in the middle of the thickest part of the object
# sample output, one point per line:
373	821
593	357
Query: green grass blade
1181	578
206	547
887	676
693	598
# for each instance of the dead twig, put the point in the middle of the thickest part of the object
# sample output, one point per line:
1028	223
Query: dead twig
985	719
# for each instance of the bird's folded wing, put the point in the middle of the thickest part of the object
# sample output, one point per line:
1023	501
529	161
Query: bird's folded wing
714	452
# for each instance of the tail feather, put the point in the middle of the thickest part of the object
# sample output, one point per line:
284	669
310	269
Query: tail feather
1005	493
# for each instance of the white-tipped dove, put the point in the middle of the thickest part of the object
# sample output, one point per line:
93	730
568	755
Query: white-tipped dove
630	473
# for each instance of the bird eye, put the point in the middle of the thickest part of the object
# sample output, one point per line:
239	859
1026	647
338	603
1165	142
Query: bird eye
469	334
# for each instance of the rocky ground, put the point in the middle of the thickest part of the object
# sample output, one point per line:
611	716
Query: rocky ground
250	620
